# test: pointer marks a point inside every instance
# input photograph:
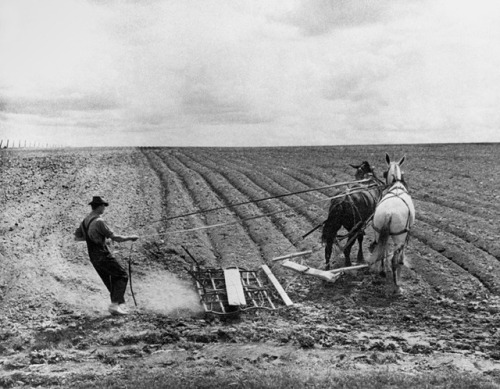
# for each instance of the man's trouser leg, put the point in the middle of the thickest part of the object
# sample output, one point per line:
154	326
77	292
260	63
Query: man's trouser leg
114	276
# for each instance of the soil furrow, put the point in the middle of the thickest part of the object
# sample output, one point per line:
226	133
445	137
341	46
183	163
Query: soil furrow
277	184
178	200
297	226
263	178
480	235
252	191
482	266
231	242
288	166
430	264
262	232
486	210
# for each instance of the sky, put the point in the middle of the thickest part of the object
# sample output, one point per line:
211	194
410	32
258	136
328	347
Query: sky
249	72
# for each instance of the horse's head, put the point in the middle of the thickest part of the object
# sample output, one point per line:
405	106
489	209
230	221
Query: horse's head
363	171
393	173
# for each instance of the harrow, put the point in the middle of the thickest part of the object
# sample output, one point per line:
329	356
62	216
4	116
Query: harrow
231	291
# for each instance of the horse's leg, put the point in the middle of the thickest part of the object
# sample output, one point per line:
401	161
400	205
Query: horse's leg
330	241
401	262
329	237
374	260
361	258
380	269
328	252
347	251
394	260
397	262
383	264
372	246
390	273
377	261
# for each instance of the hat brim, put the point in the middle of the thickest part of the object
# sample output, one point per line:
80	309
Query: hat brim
105	204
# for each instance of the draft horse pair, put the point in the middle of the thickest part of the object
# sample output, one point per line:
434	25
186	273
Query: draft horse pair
390	207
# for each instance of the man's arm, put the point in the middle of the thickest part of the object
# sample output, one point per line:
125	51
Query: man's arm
123	238
108	233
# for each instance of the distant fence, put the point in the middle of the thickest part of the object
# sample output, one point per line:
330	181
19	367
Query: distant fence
26	145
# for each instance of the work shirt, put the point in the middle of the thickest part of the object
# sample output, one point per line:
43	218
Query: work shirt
98	230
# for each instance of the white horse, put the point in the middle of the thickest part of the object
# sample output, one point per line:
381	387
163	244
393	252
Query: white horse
394	216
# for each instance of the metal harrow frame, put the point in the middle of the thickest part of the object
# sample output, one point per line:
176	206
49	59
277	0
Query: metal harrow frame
212	288
233	290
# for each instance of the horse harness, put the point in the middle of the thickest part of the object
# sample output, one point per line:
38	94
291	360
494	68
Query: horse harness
407	228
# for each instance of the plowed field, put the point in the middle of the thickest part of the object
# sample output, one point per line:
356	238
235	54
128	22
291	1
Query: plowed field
54	327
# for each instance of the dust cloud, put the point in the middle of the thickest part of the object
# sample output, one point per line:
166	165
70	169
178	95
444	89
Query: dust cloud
165	293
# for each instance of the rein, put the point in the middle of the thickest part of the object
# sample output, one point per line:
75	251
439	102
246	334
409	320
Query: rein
229	206
249	218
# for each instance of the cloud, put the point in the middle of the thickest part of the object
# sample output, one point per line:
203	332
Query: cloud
221	94
57	105
317	17
3	104
280	72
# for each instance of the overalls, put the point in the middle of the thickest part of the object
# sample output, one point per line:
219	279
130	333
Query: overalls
109	269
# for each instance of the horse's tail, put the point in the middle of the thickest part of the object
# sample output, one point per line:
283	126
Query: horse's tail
383	239
331	224
326	230
329	232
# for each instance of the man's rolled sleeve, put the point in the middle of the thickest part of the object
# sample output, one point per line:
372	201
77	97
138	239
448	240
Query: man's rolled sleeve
104	229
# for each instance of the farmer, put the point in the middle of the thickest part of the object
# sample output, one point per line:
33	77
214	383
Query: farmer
94	231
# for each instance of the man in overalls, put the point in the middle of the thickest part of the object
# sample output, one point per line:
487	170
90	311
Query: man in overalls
95	231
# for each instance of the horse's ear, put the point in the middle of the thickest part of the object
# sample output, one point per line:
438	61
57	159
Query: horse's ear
402	160
387	158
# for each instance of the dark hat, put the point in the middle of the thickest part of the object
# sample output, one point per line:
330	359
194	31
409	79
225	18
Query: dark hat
97	200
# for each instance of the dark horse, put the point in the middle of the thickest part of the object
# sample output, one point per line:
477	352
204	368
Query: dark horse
352	211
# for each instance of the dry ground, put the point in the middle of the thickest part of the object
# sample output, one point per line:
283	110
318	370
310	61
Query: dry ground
55	330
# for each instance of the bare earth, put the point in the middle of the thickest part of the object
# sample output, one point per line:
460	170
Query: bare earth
54	325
